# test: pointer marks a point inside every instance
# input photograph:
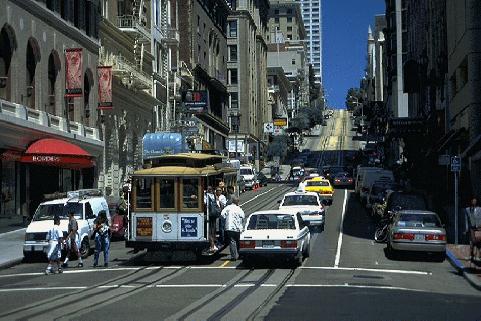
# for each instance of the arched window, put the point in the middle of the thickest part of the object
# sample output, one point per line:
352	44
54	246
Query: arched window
53	69
33	57
88	84
8	44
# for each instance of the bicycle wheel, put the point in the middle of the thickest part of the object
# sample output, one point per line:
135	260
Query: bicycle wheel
380	236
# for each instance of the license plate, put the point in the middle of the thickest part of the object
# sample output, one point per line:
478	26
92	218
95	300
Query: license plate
419	237
268	244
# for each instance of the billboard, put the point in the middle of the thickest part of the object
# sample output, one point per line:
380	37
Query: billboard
196	101
73	72
105	87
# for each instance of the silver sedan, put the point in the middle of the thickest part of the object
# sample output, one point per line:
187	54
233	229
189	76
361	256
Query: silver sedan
420	231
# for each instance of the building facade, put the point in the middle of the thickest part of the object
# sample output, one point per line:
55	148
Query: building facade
312	17
375	68
247	75
48	143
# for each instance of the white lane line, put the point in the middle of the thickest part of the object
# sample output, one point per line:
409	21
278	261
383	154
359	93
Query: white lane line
45	288
188	286
211	267
260	195
347	285
339	240
366	270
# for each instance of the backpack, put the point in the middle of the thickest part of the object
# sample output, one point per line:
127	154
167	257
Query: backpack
214	209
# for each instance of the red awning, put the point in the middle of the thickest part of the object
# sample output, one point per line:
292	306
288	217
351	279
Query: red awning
59	153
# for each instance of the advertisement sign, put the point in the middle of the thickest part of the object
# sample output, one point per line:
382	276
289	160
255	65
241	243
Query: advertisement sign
281	122
196	101
188	227
144	226
240	146
105	87
73	72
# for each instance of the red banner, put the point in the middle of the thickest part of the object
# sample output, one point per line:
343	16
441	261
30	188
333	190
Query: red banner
105	87
73	72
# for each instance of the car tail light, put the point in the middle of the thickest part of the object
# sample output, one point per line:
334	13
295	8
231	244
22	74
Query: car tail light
435	237
289	244
247	244
336	180
350	180
325	192
403	236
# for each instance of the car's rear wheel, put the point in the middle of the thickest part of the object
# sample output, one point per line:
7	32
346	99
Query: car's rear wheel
307	250
84	248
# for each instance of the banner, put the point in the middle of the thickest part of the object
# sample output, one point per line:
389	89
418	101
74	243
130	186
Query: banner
105	87
73	72
196	101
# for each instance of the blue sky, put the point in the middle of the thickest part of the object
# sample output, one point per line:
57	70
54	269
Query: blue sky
345	24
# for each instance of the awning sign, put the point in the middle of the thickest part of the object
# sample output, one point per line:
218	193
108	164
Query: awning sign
105	87
73	72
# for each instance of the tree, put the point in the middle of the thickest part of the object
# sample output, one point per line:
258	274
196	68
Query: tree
278	146
354	97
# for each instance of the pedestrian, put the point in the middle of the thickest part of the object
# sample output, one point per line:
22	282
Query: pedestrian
102	238
302	185
54	237
72	240
214	211
221	203
234	224
472	218
230	194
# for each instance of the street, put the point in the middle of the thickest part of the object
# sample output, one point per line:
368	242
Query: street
346	277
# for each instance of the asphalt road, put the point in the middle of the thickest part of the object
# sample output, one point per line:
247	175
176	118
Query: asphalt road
347	276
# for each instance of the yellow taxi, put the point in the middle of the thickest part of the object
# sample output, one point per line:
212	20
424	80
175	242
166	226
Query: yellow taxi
321	186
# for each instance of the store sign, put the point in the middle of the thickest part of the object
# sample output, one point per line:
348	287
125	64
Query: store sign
281	122
240	146
45	159
105	87
73	72
196	101
405	125
188	227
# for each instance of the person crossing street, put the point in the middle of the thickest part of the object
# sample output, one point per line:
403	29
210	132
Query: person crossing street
234	224
72	241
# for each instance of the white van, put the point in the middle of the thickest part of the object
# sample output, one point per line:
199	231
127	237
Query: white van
370	177
248	173
360	171
86	205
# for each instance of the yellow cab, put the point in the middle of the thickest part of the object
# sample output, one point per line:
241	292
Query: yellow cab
321	186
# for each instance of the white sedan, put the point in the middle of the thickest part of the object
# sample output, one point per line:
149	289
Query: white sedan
275	233
308	204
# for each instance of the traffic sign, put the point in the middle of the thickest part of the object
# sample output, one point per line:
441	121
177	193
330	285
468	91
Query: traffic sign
444	160
268	128
455	164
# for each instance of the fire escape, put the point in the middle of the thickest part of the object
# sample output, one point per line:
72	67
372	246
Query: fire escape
136	25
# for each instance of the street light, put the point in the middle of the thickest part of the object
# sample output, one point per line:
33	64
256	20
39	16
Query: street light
358	103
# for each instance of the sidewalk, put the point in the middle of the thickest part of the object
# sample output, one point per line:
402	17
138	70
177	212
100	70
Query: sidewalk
11	247
458	256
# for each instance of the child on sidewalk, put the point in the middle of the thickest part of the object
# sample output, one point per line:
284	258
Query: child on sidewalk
54	238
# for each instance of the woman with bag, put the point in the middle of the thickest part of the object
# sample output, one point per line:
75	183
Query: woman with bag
102	238
473	226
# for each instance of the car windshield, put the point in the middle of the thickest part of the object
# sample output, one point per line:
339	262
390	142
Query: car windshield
418	220
271	222
291	200
49	211
246	171
317	183
408	202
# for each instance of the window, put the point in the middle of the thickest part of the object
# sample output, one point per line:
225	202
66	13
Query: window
234	100
233	76
190	193
198	24
271	222
289	28
167	193
232	25
276	11
276	19
289	36
289	19
143	193
293	61
233	53
289	11
299	200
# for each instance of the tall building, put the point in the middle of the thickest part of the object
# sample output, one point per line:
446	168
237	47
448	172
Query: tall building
374	78
247	75
48	142
312	16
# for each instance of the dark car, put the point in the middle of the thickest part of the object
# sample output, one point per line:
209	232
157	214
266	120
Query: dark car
330	171
397	201
262	179
342	179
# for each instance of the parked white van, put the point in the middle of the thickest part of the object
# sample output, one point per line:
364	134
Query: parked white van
249	175
360	171
86	204
370	177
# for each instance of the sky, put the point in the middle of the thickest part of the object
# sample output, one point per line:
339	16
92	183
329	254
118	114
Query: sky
345	25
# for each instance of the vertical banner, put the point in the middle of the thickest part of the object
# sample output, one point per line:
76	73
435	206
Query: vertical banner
73	72
105	87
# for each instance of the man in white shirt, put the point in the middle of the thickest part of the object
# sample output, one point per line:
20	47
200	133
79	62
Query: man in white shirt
302	185
234	224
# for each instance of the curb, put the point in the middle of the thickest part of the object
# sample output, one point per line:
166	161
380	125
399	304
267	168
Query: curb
473	280
9	263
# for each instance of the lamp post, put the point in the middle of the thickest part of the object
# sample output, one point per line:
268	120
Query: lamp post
358	103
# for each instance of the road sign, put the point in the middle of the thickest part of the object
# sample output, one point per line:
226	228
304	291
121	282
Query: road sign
191	130
455	164
268	128
444	160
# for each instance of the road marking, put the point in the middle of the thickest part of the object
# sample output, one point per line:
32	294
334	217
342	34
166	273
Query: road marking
188	286
244	285
260	195
45	288
224	264
339	240
347	285
366	270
